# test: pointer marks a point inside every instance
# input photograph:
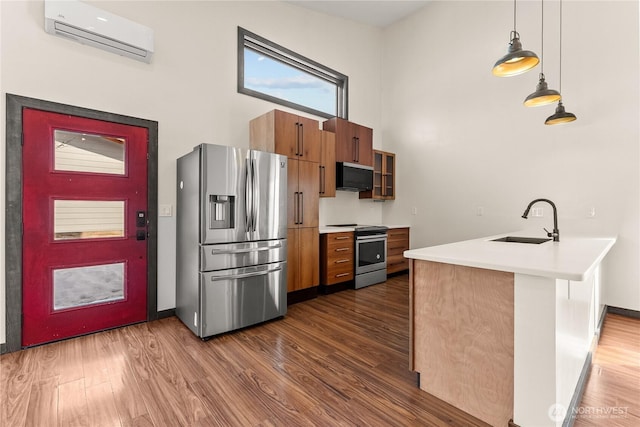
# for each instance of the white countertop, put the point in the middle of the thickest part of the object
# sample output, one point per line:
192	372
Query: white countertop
329	229
572	258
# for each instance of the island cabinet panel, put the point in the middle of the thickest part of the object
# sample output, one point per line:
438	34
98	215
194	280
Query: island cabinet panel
462	326
280	132
354	142
336	258
397	243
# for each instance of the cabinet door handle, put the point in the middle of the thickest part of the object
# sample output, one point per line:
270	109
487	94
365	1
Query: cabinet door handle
301	139
342	249
297	138
301	206
342	261
341	238
358	150
355	148
322	173
342	274
295	208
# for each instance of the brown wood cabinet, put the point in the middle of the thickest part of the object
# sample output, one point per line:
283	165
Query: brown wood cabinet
299	139
336	258
397	243
303	253
284	133
302	194
384	177
328	164
354	142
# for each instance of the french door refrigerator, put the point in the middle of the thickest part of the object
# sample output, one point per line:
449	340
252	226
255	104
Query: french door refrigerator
231	260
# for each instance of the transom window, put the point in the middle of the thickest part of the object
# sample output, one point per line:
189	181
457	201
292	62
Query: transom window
274	73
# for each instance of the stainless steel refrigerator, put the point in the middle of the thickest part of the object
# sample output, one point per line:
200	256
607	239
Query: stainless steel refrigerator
231	262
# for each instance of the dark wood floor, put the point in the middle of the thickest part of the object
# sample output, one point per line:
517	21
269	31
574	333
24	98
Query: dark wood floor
339	359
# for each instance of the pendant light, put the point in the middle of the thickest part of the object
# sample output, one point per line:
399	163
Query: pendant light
543	95
516	61
560	116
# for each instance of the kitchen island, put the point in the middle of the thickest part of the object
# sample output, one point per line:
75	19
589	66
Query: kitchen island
503	330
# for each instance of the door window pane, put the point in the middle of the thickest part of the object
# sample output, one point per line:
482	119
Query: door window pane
88	219
80	286
83	152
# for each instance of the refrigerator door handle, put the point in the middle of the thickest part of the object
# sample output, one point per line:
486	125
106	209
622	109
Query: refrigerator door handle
247	199
254	207
245	275
242	251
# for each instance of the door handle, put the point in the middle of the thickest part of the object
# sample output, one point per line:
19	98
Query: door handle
141	235
357	149
323	174
243	251
296	211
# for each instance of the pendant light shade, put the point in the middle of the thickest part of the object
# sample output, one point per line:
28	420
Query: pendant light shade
543	95
516	61
560	116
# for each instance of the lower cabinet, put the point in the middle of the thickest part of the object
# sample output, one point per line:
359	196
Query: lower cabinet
336	258
397	243
302	258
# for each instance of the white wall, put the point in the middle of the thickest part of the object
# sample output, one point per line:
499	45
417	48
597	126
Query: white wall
464	140
190	86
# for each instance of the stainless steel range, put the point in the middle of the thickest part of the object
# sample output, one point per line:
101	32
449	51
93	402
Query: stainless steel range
371	254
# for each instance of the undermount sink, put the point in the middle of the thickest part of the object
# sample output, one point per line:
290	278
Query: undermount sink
531	240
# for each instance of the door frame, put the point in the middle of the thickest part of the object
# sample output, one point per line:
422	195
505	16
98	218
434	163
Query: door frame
13	208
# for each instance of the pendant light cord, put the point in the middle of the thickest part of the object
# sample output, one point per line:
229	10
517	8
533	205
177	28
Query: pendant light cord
514	17
560	47
542	41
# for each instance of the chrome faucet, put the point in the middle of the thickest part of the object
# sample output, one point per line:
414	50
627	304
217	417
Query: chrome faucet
555	233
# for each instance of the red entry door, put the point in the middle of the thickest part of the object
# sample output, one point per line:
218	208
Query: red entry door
84	226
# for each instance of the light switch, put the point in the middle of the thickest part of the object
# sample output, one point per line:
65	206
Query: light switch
165	210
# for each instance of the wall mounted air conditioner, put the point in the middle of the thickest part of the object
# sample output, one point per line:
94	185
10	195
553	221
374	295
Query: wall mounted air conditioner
95	27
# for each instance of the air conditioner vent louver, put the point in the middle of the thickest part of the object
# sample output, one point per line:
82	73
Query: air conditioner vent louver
87	36
94	27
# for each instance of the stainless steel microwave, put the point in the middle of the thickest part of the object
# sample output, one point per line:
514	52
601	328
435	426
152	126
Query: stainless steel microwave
353	177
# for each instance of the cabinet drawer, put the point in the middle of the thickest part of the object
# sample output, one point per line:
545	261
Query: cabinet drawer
397	234
396	251
338	273
338	251
339	238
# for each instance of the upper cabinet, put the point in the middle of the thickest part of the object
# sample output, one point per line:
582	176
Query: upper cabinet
354	142
384	179
294	136
328	164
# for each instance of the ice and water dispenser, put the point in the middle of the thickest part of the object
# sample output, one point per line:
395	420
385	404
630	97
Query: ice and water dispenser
222	211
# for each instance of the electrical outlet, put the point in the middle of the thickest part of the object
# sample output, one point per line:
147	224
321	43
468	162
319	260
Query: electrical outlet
479	211
591	212
414	211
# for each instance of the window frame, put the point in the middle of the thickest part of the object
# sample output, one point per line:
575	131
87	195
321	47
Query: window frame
247	39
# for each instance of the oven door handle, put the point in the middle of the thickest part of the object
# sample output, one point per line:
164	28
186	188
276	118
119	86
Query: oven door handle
372	237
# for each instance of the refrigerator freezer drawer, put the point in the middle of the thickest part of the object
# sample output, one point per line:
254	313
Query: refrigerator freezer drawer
233	299
238	255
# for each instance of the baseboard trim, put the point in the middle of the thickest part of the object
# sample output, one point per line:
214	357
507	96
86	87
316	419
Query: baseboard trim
302	295
3	348
623	312
166	313
572	410
603	314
